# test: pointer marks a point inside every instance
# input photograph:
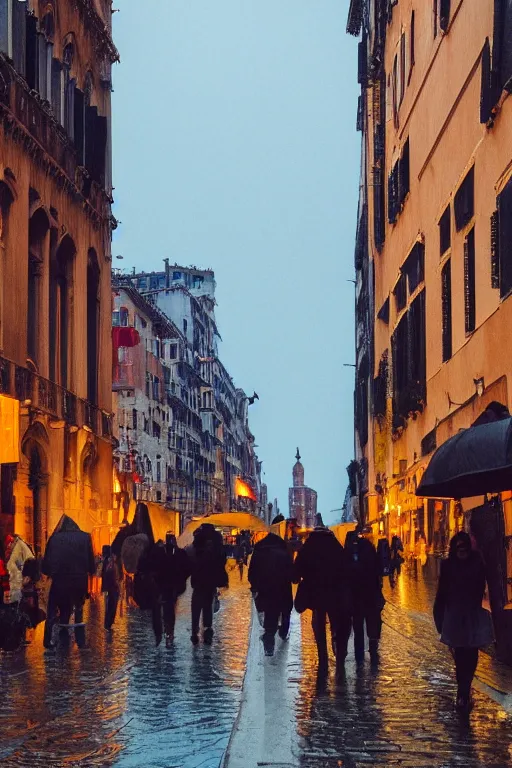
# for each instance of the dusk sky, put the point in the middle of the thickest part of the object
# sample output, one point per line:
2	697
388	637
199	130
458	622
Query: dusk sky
235	149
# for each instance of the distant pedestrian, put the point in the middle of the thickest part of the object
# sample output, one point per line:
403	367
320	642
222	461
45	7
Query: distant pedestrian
208	572
464	625
366	593
109	586
241	564
320	571
68	561
397	550
170	568
270	576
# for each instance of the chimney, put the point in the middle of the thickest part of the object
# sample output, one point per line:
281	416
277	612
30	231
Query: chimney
167	274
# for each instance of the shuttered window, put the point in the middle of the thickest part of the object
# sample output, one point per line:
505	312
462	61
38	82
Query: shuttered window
469	282
400	293
19	35
444	14
31	52
404	174
495	250
504	235
445	235
446	306
464	203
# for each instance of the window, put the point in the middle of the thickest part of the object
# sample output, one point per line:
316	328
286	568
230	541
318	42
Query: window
134	419
445	235
148	384
408	345
383	313
411	46
156	430
185	326
158	472
414	267
435	9
501	245
156	388
464	203
444	14
502	45
399	184
13	18
394	91
400	293
446	308
469	282
176	275
393	205
402	67
173	351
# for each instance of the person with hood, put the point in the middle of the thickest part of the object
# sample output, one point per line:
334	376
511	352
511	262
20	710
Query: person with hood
169	567
208	573
68	561
319	570
464	625
270	577
109	585
131	544
364	573
17	553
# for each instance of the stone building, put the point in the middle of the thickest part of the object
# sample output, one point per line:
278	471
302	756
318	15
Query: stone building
210	463
433	252
302	501
55	295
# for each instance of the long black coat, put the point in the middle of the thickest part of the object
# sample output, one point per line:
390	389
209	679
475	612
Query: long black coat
270	575
207	559
320	571
69	553
364	573
170	570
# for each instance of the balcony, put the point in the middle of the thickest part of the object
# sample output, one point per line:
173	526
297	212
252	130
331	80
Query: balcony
40	394
41	134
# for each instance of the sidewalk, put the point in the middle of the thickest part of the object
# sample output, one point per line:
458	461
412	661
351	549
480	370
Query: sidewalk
399	715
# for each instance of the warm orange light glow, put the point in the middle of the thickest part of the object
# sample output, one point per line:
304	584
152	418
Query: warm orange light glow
244	490
9	430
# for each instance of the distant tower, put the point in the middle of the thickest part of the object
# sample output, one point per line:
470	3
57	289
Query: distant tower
302	500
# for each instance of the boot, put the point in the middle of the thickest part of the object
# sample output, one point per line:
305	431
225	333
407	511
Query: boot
268	643
208	636
374	651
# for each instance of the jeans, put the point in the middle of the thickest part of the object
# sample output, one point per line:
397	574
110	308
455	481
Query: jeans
369	615
202	603
466	660
66	596
167	607
111	601
340	631
271	624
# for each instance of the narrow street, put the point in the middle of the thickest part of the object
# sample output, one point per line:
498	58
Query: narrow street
126	704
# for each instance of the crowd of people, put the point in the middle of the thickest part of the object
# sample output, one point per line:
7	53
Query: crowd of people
341	585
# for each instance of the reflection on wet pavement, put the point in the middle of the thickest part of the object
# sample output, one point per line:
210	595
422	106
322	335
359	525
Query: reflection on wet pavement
401	713
125	703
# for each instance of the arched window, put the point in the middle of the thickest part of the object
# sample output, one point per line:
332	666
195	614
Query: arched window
38	238
45	39
61	320
93	313
68	86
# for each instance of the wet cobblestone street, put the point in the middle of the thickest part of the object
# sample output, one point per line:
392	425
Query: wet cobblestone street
125	703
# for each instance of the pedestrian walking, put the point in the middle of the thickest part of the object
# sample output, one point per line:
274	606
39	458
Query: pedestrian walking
367	601
270	577
109	586
464	625
130	544
320	572
397	549
241	564
68	561
169	567
208	572
17	552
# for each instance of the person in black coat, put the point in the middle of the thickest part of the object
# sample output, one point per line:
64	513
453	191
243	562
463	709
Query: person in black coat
460	619
208	573
367	601
170	568
320	571
270	577
68	561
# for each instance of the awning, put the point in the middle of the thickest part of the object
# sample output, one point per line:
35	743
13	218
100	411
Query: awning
473	462
241	520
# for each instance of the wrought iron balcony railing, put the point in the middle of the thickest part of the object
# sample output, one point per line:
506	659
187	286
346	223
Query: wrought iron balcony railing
40	394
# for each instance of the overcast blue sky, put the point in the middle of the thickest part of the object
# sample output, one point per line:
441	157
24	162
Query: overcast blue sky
235	148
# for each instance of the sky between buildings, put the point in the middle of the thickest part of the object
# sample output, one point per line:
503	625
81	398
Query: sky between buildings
235	148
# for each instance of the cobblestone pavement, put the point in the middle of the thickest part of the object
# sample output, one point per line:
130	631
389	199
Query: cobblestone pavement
126	703
401	713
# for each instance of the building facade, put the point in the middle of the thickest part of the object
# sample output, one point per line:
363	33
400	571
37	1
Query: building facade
55	235
302	501
434	249
207	459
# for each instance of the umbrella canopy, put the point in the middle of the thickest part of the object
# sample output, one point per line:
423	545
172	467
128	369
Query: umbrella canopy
473	462
242	520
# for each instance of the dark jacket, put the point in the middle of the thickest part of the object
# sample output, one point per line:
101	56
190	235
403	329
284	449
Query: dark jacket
141	523
270	575
320	571
458	604
69	553
170	569
207	559
364	572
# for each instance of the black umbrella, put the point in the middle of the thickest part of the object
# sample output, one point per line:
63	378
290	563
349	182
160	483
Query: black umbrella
473	462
